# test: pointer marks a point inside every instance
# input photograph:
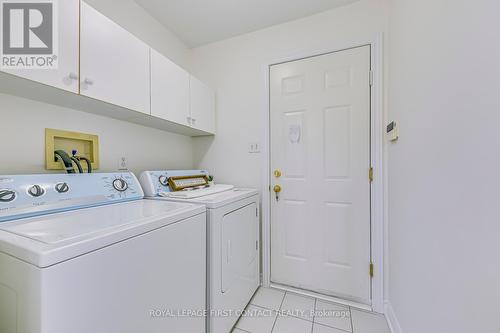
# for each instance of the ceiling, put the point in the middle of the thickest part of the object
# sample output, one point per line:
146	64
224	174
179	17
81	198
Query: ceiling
199	22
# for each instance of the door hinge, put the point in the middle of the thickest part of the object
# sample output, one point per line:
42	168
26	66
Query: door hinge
371	78
370	174
256	245
371	269
256	212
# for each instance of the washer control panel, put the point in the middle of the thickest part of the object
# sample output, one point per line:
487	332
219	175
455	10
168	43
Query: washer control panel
31	195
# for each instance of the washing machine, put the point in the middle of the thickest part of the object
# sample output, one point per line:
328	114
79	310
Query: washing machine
85	253
233	255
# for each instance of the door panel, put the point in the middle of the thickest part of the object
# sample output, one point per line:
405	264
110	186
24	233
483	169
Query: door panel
66	75
337	142
114	64
239	251
320	140
202	106
169	90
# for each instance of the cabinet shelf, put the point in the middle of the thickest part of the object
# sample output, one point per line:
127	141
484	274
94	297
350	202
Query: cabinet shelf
25	88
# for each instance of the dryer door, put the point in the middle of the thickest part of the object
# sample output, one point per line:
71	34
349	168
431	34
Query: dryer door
240	248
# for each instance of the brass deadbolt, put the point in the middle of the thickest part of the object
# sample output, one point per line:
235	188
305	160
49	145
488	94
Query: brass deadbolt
277	173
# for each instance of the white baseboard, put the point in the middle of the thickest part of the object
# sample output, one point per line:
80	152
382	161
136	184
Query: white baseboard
392	320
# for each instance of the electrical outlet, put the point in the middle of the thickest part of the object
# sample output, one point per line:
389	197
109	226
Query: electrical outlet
254	147
122	163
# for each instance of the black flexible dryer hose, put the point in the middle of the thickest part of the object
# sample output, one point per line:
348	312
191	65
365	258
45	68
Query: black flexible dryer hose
89	164
67	162
78	165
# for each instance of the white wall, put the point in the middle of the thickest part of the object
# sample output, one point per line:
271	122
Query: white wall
22	122
235	68
444	179
22	137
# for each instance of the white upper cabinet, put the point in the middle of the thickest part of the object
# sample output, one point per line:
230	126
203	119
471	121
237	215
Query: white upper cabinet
202	106
169	90
65	76
114	64
179	97
97	58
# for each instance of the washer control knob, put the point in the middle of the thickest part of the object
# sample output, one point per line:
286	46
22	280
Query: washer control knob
120	185
36	191
7	195
62	187
163	180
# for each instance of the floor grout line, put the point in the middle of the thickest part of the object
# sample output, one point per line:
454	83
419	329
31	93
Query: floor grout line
314	314
312	320
263	307
335	328
350	317
303	319
281	304
325	325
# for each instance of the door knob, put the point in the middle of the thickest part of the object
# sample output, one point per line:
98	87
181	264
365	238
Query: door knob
277	190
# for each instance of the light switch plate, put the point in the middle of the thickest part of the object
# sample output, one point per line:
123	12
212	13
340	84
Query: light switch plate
254	147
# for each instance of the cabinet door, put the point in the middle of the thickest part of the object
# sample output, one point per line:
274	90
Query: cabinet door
202	106
65	76
114	64
169	90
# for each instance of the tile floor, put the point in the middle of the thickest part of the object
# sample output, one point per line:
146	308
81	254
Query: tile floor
276	311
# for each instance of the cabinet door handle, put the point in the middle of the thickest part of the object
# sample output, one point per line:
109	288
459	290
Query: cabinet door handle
88	81
73	76
193	121
188	120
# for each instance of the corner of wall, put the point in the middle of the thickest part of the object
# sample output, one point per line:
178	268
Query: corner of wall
392	320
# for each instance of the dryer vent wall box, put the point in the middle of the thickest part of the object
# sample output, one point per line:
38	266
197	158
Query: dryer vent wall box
233	238
100	260
86	145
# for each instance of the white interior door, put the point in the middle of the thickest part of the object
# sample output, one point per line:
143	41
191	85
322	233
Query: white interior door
320	141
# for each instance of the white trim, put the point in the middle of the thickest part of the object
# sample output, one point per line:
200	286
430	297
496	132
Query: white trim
322	297
378	184
392	320
377	152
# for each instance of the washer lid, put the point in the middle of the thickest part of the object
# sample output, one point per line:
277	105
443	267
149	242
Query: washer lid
46	240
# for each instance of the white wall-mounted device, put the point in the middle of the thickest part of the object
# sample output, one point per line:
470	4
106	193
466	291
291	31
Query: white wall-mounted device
392	131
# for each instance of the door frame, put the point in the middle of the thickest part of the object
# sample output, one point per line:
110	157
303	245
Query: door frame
378	186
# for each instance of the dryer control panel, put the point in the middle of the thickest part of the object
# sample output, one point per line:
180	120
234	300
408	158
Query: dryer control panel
32	195
156	182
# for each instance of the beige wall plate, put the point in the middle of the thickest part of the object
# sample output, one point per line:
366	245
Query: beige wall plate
87	146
